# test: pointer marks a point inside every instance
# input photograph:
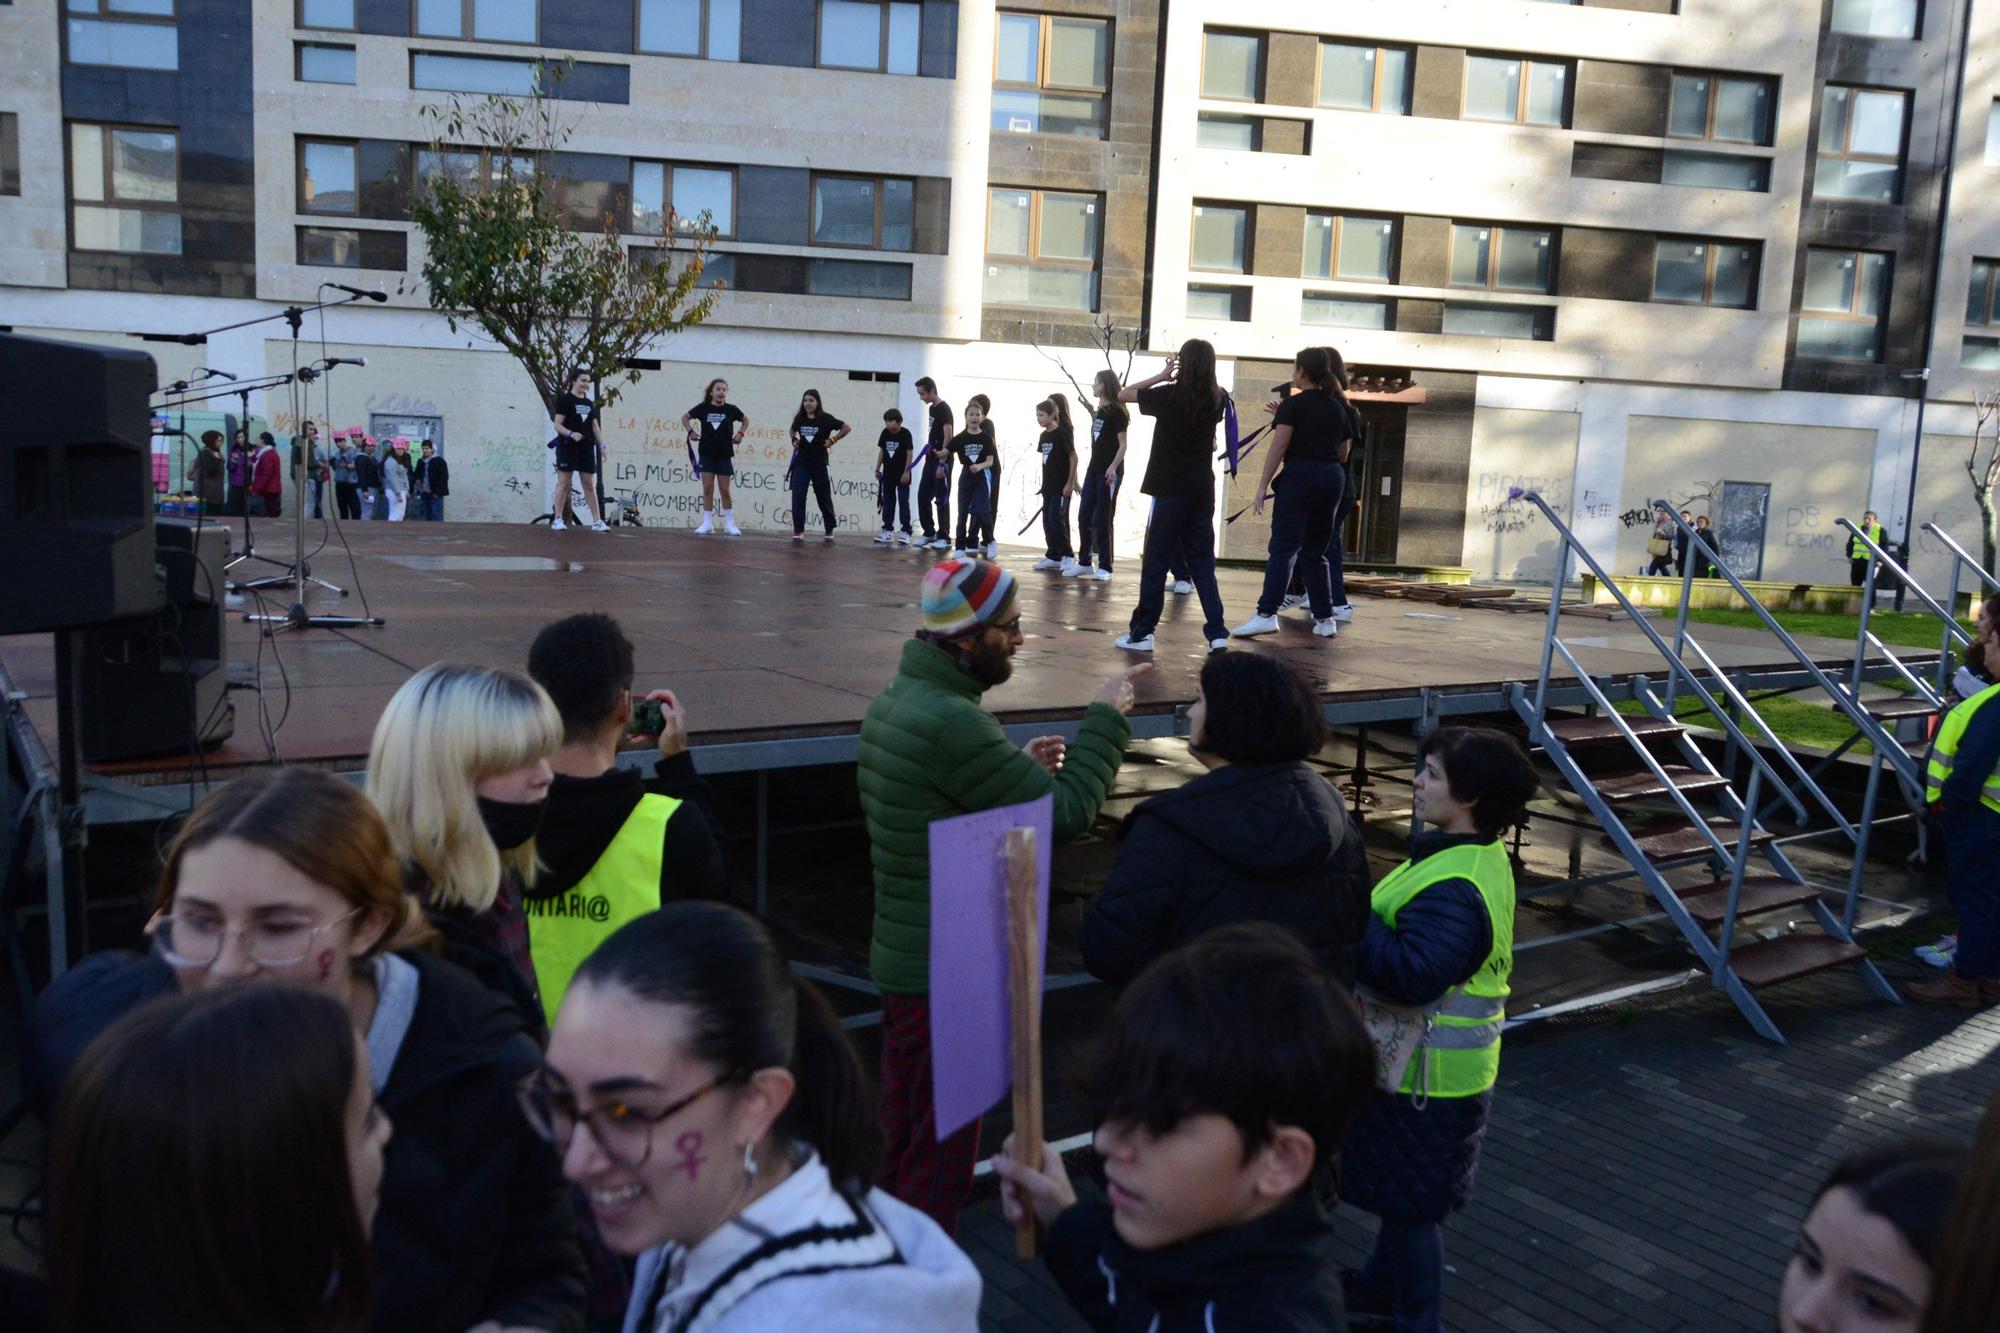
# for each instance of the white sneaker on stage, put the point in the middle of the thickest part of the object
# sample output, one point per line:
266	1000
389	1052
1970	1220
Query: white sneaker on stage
1345	611
1293	601
557	525
706	526
600	526
1327	628
1045	564
1100	575
884	537
1069	568
798	536
941	544
1256	625
1132	645
902	539
993	550
1183	587
729	525
1218	645
1073	570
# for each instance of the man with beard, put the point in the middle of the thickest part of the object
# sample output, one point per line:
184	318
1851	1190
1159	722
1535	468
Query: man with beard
929	751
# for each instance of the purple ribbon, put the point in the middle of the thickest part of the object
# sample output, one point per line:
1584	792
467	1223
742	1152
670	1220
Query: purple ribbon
1230	444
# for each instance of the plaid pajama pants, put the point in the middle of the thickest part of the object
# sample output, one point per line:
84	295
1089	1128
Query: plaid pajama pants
932	1177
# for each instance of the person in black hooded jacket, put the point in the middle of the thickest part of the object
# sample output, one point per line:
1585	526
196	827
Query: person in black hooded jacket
1259	837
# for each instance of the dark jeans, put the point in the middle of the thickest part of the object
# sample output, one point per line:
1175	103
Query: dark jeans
267	506
895	493
1661	564
811	472
1305	499
975	509
347	500
1093	520
1055	526
1857	571
1406	1273
434	508
934	500
1971	849
1180	530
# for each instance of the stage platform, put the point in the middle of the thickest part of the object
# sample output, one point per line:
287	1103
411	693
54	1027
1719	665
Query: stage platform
777	647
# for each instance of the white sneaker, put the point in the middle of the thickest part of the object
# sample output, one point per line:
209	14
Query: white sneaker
1183	587
1068	567
1045	564
600	526
1099	575
1218	645
1075	571
1293	601
1327	628
729	524
1132	645
798	536
1256	625
884	537
941	544
1345	611
993	550
557	525
706	526
902	539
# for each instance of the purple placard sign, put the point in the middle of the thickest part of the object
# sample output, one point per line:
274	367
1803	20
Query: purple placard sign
971	1024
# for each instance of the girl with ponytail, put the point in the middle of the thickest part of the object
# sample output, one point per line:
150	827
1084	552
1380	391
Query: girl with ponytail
721	1128
1057	447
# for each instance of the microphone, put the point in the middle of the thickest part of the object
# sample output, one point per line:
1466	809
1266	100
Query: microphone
356	291
345	361
204	370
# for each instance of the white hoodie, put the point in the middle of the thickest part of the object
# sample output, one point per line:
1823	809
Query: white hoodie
805	1257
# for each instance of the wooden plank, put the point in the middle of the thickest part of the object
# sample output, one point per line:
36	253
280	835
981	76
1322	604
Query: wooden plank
1024	990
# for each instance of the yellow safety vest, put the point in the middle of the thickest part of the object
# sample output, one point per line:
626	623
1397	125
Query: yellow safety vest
1856	551
1463	1054
1944	751
625	883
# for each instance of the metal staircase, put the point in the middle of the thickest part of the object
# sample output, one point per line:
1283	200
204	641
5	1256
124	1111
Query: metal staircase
1716	865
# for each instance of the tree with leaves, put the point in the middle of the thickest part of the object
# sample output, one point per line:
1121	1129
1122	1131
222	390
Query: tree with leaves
499	253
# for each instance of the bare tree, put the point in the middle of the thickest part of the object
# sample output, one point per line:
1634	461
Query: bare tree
1982	465
1110	341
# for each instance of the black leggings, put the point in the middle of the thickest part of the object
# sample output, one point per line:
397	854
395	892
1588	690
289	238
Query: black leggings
811	472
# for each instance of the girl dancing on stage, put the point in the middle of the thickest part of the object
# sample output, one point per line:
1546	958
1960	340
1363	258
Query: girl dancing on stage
1186	403
1100	481
723	426
814	433
1057	446
979	478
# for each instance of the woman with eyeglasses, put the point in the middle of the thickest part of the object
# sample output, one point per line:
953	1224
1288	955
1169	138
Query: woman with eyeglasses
718	1121
287	876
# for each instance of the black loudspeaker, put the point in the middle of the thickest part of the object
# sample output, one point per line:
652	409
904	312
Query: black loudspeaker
155	684
76	486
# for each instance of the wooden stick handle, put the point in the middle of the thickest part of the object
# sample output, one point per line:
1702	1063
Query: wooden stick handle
1024	989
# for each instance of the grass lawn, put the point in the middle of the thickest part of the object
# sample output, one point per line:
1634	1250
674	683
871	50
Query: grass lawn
1792	720
1909	629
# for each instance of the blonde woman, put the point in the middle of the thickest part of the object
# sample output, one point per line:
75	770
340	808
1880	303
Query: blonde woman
459	768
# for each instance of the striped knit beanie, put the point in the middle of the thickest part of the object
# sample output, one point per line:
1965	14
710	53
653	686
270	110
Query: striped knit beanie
961	596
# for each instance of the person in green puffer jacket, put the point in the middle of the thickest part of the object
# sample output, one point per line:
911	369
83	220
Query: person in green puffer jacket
929	751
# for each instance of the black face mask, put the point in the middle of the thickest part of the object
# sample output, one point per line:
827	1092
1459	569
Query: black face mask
511	823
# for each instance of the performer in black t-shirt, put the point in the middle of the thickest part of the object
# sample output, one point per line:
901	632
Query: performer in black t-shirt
934	486
1311	434
1186	404
893	452
1100	480
579	445
814	432
722	425
978	450
1057	447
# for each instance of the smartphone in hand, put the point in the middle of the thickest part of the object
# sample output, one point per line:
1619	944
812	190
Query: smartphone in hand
646	719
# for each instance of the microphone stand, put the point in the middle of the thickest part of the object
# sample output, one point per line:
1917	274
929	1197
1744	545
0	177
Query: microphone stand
241	392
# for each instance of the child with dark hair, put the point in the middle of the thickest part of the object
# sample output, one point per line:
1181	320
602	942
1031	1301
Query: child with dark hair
934	486
893	453
978	478
1229	1072
1870	1239
1108	424
1441	939
814	433
1057	447
719	426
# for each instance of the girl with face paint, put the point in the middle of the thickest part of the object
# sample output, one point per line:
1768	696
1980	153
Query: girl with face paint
460	770
288	877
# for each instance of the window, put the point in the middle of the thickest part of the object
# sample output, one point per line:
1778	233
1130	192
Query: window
130	34
472	74
335	14
1050	74
1221	241
1992	155
1875	18
1365	78
869	34
695	191
322	63
1723	107
1232	65
1979	295
1527	92
1533	322
470	168
1205	301
1980	354
480	20
1715	171
10	153
124	189
858	277
710	29
1696	272
1347	312
1214	130
863	211
330	247
1860	144
1516	259
1344	246
327	180
1041	248
1841	315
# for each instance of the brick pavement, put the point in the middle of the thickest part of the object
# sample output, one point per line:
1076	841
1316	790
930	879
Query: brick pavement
1647	1168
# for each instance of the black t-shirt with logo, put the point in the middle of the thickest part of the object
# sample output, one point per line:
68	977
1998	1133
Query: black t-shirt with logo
941	423
1107	423
576	414
897	447
1183	460
718	428
1319	421
812	435
1057	446
973	446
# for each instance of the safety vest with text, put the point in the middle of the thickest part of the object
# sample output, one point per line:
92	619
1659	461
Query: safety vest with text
564	929
1462	1057
1944	751
1856	551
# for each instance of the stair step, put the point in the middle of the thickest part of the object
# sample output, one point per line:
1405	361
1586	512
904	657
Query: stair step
1684	839
1895	710
1768	962
1577	731
1709	903
1917	747
1642	785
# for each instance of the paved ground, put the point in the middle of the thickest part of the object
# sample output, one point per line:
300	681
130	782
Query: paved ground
1647	1169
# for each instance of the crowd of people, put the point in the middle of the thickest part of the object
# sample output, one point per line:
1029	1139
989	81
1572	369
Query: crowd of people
249	478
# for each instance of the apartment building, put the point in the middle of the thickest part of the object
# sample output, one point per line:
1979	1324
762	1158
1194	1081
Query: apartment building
1612	251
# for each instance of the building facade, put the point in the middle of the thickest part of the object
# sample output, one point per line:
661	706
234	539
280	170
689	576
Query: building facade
1612	252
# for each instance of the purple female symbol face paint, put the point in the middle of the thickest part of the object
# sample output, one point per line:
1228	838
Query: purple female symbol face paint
688	1146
